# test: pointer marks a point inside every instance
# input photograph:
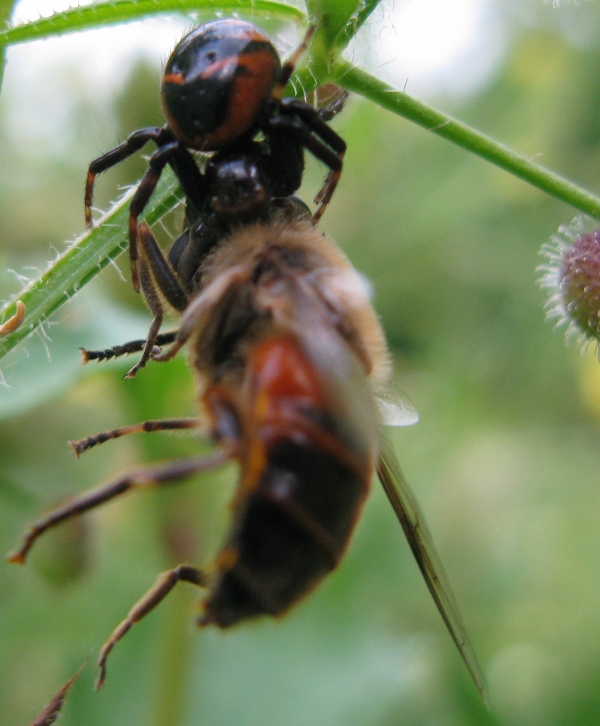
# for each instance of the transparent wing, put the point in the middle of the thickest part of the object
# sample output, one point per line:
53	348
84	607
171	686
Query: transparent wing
423	549
396	409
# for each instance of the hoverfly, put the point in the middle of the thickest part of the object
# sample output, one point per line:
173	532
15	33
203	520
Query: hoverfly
287	352
283	342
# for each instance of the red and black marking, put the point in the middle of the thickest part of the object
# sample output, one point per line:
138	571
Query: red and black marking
217	83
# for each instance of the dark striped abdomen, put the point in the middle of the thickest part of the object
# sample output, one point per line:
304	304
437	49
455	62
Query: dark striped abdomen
302	487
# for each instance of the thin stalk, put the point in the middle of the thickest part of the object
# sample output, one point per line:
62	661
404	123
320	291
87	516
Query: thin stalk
175	648
356	80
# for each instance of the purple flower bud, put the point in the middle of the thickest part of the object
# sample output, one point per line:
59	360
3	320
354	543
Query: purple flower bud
572	277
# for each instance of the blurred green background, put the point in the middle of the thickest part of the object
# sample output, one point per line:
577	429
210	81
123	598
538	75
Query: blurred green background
505	460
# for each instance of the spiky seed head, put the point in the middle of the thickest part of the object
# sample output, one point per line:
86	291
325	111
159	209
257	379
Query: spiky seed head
572	277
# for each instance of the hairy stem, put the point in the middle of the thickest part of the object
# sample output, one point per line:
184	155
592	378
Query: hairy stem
356	80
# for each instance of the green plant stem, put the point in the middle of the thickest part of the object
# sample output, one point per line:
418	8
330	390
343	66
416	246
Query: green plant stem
101	14
175	646
356	80
6	8
82	261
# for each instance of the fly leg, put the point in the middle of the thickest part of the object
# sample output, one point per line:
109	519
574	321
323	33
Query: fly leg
169	424
140	478
165	582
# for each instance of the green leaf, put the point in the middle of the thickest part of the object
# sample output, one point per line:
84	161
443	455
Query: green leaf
6	8
106	13
82	261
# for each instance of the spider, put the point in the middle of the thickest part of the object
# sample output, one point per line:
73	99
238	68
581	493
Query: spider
221	92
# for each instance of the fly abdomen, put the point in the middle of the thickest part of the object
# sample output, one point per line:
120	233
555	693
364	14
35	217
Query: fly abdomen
304	477
288	534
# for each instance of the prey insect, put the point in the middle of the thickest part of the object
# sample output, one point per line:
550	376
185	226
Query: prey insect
223	92
287	352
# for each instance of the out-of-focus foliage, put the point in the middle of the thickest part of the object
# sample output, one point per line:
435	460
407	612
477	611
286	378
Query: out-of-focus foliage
504	460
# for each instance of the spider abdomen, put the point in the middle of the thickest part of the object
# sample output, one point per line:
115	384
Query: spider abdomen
217	82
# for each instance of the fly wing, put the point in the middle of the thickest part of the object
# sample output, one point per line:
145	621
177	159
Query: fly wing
396	409
420	541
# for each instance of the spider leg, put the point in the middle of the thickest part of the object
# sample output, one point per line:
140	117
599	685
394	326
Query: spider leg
332	109
154	303
162	272
316	122
304	123
133	143
156	276
171	152
288	67
145	189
